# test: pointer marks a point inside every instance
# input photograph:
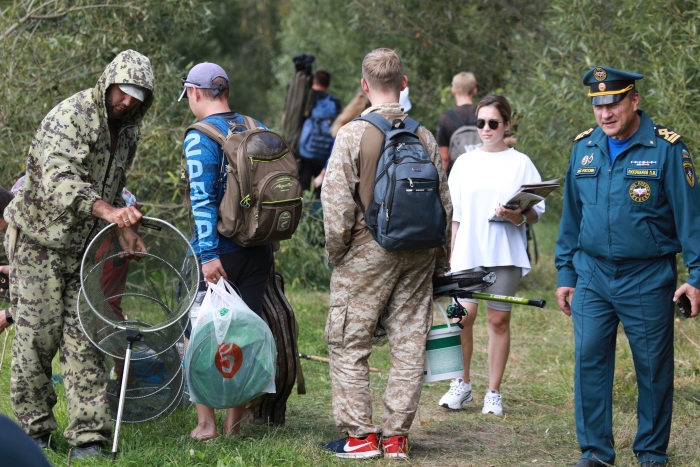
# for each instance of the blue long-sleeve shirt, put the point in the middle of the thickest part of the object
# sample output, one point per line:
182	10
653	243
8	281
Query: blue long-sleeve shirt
206	167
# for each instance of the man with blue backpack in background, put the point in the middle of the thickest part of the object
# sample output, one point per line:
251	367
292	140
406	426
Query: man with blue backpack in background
387	218
316	142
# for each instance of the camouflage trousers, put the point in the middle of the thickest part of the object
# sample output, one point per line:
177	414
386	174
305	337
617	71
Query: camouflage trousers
44	288
368	281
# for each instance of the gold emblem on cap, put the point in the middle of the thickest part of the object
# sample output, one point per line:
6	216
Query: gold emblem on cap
602	87
599	74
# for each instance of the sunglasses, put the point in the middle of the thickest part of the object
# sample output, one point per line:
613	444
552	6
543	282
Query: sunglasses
481	123
186	84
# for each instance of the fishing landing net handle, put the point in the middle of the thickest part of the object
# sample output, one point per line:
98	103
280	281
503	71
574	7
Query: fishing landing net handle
457	293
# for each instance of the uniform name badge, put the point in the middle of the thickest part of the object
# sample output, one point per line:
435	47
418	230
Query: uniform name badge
633	172
587	171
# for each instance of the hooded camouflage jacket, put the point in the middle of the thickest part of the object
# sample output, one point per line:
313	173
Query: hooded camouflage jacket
70	163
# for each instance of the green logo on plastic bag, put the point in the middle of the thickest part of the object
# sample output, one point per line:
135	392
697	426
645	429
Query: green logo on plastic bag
223	311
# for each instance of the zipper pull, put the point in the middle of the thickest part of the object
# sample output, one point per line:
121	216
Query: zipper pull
411	182
398	148
245	202
251	162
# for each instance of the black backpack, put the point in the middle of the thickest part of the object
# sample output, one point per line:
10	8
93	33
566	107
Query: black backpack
406	212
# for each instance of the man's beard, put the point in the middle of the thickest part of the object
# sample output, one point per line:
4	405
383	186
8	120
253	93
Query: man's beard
112	112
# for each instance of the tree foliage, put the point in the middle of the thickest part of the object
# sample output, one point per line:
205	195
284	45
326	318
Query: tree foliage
436	39
657	38
53	48
243	38
532	51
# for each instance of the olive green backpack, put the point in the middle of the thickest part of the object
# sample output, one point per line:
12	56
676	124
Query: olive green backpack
262	198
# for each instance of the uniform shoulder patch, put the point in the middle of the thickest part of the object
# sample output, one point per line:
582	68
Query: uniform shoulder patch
584	134
669	135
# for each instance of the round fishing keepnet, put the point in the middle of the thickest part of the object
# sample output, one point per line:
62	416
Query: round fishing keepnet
151	292
155	384
139	300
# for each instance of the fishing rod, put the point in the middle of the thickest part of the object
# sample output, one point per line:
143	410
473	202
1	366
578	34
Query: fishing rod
326	360
465	284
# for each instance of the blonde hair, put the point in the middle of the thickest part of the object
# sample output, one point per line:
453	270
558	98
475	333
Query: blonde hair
464	83
353	110
383	70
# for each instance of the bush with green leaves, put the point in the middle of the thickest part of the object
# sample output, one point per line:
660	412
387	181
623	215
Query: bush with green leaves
302	260
53	49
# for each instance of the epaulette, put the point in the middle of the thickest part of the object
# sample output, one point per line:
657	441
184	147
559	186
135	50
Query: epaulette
670	136
584	134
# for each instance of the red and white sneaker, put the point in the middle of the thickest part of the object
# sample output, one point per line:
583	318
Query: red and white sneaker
355	448
395	447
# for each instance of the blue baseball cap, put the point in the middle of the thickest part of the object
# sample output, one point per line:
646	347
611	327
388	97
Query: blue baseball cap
608	85
202	75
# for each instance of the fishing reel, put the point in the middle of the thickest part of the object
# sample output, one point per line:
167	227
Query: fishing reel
456	311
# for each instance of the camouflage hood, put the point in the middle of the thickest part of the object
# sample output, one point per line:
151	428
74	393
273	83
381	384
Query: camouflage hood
75	160
129	67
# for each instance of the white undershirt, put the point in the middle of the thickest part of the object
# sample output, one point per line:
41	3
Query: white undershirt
478	182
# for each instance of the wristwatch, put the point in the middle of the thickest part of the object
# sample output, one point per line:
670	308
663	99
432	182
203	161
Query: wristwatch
523	222
8	316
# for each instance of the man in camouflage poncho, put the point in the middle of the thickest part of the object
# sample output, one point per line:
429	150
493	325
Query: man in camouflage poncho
76	169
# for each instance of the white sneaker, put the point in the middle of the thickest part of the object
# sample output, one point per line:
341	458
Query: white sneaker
493	403
459	393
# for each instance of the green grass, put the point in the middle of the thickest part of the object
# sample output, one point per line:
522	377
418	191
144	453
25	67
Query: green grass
537	428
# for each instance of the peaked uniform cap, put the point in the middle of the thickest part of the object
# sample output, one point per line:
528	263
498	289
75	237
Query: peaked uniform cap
608	85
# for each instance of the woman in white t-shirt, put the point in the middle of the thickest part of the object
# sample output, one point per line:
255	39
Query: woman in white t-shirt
479	182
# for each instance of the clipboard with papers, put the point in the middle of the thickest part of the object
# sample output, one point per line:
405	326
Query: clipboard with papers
528	195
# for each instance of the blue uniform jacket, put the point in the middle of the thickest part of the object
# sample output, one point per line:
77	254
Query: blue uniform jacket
643	206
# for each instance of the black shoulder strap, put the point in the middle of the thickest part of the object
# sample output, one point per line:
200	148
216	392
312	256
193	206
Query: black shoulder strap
456	119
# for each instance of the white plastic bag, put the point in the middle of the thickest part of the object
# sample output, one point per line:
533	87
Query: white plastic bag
231	357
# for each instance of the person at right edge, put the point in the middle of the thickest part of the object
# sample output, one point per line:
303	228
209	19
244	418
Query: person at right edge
630	204
367	279
207	90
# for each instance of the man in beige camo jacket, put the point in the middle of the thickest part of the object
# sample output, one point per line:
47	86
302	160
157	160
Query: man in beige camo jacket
76	169
367	280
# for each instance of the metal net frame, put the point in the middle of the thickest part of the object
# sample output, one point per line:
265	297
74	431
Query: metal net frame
134	308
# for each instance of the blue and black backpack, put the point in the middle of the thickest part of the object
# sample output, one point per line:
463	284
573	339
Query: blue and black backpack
406	212
316	141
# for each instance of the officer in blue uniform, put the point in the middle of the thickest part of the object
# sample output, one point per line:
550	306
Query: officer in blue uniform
631	202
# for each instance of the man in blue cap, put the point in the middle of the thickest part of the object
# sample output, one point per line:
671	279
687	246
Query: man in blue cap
207	89
631	202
